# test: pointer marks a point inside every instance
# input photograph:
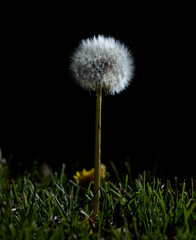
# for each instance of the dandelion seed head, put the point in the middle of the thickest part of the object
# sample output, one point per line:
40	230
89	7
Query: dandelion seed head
102	61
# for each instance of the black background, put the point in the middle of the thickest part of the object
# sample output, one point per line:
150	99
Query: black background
44	115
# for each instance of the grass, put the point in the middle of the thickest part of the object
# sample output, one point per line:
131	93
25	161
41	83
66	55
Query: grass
32	207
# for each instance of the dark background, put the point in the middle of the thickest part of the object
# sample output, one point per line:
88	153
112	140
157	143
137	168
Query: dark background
45	116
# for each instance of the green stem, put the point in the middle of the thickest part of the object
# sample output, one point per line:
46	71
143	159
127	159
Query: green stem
97	163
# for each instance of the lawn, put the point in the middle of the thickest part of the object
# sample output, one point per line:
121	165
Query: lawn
55	207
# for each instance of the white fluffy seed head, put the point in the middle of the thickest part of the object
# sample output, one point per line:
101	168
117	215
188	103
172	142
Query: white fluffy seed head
102	61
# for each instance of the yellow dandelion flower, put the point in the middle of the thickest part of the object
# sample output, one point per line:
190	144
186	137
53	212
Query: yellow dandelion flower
90	231
84	177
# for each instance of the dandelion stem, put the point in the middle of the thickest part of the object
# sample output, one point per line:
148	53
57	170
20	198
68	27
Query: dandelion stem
97	163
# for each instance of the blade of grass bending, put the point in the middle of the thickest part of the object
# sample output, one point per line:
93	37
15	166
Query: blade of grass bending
30	213
115	171
60	207
126	182
15	190
160	198
128	166
62	174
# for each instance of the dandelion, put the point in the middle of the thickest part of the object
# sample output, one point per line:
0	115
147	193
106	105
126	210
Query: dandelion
101	63
85	177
